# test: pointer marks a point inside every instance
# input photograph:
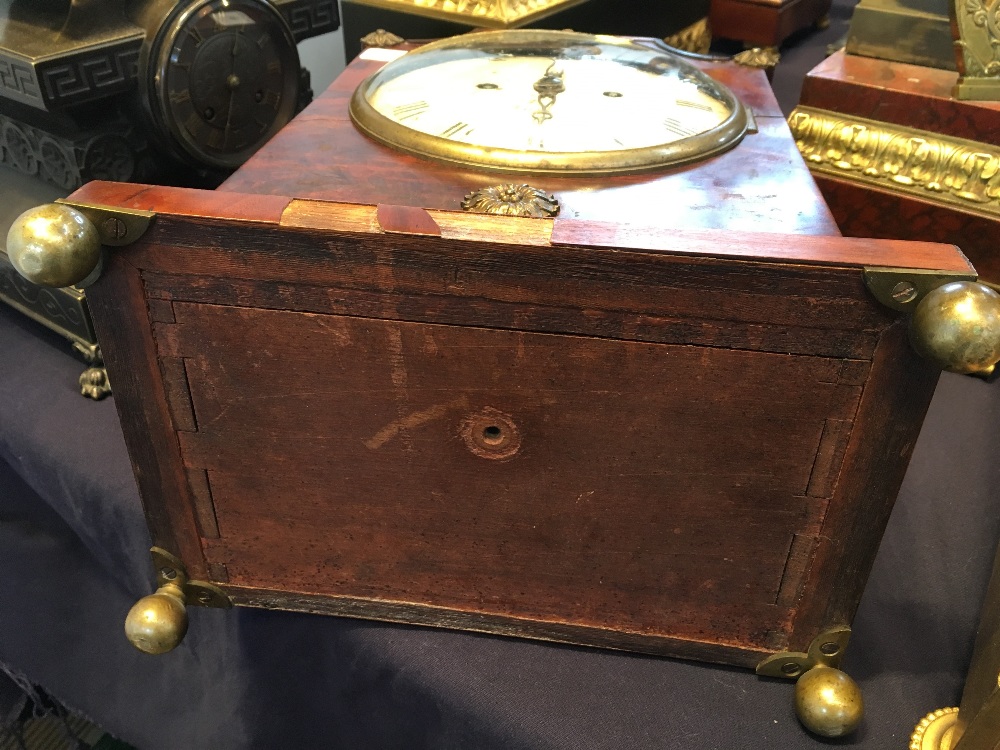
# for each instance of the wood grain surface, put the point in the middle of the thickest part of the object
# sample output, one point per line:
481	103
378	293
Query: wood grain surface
761	185
635	448
766	23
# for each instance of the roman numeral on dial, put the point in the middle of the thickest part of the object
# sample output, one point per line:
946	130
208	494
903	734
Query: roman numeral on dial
456	129
406	111
694	105
675	127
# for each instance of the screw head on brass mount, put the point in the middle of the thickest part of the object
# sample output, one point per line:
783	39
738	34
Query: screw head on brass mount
54	245
957	327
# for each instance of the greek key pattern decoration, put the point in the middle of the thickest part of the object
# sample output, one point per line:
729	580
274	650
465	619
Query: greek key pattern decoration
923	165
90	75
19	82
308	18
978	47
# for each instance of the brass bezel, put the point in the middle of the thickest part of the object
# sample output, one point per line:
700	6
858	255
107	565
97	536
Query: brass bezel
380	128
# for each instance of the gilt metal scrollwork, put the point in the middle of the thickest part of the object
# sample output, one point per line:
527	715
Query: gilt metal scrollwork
922	164
978	48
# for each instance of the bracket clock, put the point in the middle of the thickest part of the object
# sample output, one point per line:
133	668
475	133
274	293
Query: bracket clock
531	333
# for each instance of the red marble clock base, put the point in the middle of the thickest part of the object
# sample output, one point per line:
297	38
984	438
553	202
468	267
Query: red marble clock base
897	157
765	23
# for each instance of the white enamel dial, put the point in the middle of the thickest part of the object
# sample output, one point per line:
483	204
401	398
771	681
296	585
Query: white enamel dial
548	101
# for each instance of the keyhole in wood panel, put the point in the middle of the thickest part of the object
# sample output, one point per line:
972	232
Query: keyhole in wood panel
491	434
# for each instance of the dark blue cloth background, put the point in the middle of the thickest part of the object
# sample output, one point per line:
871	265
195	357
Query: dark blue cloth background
74	557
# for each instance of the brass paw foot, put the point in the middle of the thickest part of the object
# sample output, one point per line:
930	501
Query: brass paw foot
828	702
94	383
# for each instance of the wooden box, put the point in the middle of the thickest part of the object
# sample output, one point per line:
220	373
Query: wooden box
766	23
652	423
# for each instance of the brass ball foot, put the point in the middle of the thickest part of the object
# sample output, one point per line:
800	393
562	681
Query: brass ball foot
828	702
158	622
957	327
54	245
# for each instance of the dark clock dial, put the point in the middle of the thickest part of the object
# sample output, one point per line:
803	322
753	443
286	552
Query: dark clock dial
226	78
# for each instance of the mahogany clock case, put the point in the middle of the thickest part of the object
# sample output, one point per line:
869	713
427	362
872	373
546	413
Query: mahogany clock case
655	436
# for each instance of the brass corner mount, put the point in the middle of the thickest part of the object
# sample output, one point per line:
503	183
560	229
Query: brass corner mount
828	702
157	623
59	244
955	318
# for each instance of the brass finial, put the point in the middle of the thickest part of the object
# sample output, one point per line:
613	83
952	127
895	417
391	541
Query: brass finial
54	245
957	326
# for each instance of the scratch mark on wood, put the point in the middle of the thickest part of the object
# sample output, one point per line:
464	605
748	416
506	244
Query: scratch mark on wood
413	420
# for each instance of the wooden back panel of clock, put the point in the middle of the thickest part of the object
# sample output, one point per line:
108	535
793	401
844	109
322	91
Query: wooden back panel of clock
761	185
516	426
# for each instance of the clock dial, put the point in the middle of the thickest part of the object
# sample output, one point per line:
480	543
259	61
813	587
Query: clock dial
226	78
546	101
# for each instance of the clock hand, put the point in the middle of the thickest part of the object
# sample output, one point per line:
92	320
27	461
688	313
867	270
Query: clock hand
548	87
232	83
